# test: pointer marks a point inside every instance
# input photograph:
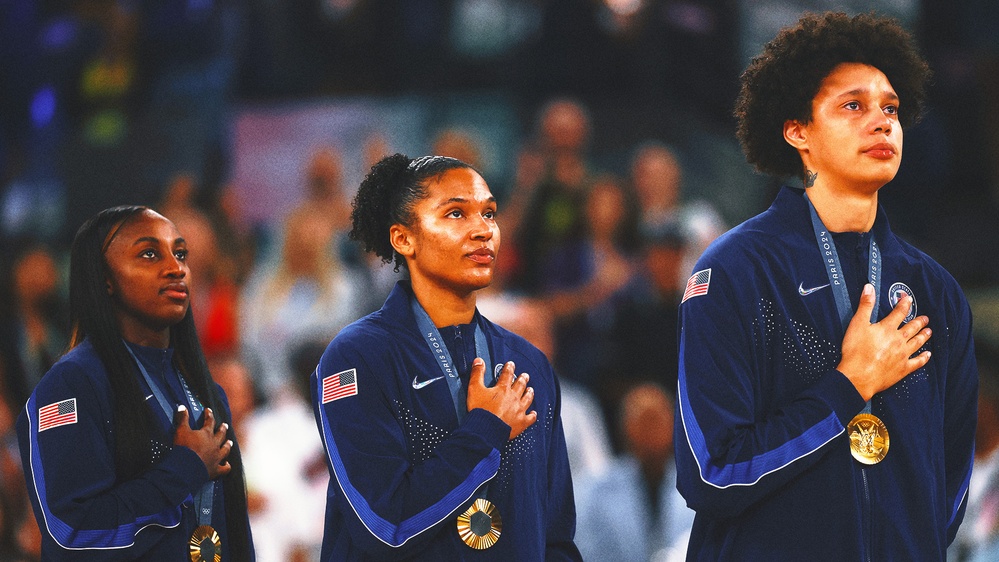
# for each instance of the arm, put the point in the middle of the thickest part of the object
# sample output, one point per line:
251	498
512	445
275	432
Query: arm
561	507
729	452
960	415
394	507
83	511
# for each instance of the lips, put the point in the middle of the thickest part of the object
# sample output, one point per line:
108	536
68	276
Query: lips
881	151
175	291
483	255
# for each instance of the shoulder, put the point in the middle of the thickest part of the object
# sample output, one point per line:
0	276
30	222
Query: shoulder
368	336
80	367
747	242
938	283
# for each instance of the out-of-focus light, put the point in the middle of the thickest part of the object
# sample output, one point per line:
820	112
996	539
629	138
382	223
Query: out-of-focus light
43	107
58	34
624	7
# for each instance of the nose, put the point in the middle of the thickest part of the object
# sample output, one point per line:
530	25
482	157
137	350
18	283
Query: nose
882	123
483	229
174	267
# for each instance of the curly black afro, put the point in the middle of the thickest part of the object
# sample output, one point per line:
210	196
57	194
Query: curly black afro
387	195
782	81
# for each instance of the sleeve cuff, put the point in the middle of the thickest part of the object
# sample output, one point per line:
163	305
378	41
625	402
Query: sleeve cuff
487	425
841	395
182	473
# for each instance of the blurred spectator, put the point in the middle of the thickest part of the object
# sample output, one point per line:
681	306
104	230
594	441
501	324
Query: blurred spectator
632	511
545	204
978	537
657	176
179	196
286	469
642	345
324	193
34	320
583	278
460	144
308	294
238	242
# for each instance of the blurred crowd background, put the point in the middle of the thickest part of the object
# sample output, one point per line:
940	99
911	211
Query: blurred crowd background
603	127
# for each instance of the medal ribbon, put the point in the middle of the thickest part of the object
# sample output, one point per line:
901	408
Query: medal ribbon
437	347
432	336
834	270
206	496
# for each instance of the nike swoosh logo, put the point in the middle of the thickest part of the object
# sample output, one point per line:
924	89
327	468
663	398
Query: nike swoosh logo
418	385
148	397
805	292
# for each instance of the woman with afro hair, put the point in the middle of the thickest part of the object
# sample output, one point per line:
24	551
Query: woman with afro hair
437	449
827	380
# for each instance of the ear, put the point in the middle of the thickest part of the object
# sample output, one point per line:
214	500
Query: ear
402	240
796	134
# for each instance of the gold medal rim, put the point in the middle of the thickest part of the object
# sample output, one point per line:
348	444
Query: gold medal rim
882	431
495	525
200	534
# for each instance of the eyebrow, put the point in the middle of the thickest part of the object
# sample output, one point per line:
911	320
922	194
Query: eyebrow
154	240
461	200
860	91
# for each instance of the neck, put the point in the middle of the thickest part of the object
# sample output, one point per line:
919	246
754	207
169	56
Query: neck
145	336
445	308
844	211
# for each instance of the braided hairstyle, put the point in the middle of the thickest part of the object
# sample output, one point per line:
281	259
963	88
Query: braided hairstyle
387	196
780	84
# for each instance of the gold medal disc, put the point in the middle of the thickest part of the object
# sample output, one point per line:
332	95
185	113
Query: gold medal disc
205	545
868	438
480	526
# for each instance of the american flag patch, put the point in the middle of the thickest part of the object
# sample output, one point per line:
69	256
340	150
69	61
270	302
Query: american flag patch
697	284
340	385
56	414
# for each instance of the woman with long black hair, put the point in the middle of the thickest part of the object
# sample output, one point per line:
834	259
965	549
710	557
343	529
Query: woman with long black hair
126	446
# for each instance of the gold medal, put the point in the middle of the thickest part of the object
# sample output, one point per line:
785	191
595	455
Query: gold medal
868	438
480	526
205	545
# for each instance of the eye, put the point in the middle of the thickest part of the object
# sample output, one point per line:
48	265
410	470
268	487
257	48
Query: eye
148	253
852	106
181	255
454	214
490	214
891	109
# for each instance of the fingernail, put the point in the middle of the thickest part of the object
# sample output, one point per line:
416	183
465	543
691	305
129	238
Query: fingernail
868	290
229	442
225	426
181	408
478	361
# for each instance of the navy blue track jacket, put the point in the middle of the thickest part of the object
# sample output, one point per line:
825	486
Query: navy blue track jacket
762	454
68	455
402	468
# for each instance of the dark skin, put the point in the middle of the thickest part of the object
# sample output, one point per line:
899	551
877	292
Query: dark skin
450	252
148	279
